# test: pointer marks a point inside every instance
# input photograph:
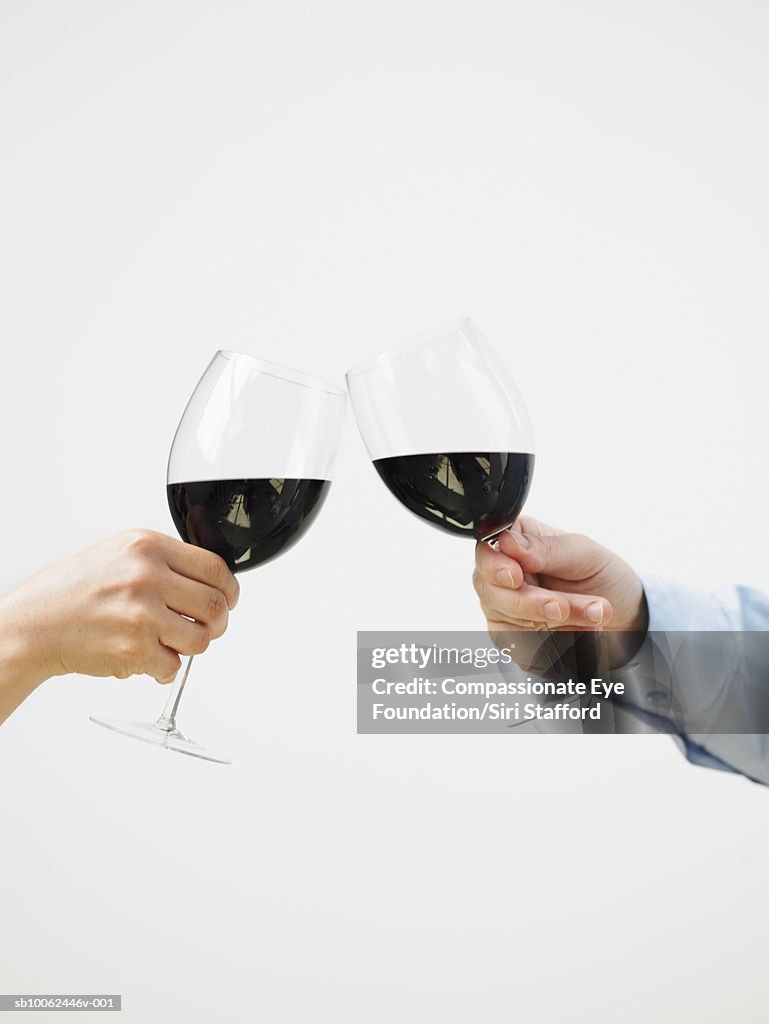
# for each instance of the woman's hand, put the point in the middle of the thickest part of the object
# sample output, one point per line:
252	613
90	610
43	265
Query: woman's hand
128	606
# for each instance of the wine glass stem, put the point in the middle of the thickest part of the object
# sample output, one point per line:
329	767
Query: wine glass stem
167	721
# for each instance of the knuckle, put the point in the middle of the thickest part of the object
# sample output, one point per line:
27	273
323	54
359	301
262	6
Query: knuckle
135	619
216	569
169	674
139	562
216	605
218	626
129	649
138	577
542	547
128	656
202	640
141	541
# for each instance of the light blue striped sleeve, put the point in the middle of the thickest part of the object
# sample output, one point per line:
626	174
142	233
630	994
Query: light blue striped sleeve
674	607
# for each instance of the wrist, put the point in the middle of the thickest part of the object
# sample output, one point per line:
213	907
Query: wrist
23	665
626	642
639	623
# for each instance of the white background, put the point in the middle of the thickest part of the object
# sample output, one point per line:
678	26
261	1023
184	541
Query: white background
311	182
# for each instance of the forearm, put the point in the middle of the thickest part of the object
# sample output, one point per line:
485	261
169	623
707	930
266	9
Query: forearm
21	667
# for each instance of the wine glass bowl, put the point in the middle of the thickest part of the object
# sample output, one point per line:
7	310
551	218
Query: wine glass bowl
245	522
475	494
447	430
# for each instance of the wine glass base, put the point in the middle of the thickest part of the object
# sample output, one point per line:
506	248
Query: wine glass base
172	739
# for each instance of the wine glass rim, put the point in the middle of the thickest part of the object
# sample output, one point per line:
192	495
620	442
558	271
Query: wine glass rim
285	373
412	345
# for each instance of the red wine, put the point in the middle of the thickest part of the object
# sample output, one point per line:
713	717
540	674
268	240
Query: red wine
247	522
473	493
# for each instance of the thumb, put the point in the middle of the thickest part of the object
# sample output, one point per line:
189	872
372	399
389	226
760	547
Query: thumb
570	556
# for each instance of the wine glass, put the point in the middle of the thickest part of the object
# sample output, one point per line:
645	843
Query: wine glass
447	430
249	469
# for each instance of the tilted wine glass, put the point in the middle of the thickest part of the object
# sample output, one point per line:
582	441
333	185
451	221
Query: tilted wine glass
447	430
248	472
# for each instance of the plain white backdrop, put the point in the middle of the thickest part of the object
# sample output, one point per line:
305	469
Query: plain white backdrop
311	183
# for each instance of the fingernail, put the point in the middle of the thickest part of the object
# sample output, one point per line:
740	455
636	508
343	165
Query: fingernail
505	578
552	611
594	612
519	538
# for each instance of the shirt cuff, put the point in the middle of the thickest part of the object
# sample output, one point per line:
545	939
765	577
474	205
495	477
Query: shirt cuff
675	607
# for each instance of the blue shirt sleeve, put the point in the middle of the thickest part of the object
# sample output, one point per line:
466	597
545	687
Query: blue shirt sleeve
673	608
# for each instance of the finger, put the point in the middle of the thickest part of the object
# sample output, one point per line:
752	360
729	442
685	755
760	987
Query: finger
527	604
496	567
198	601
528	524
570	556
163	665
532	604
204	566
182	635
513	626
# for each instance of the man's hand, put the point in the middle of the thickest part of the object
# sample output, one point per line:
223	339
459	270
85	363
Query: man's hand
128	606
544	578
